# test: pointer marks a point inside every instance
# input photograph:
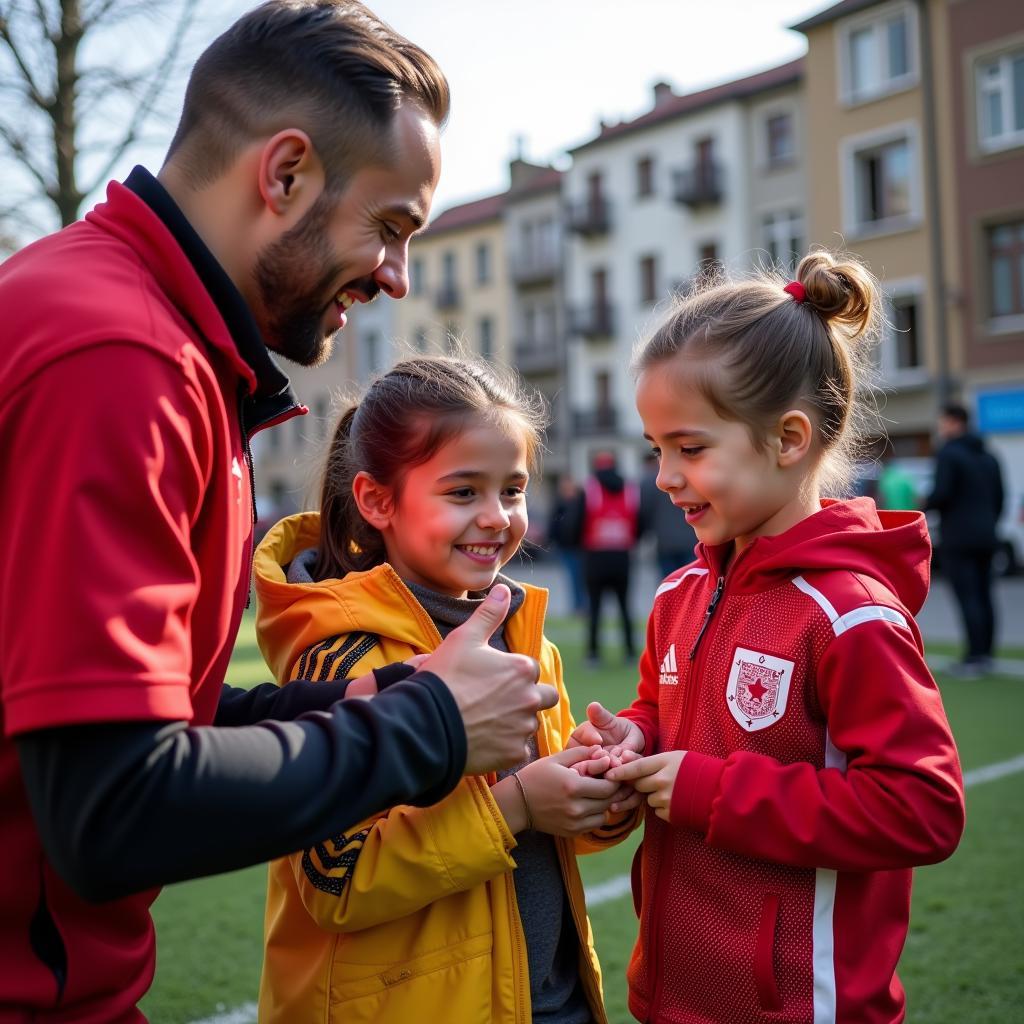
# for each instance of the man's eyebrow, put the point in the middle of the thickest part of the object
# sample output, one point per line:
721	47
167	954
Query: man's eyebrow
411	212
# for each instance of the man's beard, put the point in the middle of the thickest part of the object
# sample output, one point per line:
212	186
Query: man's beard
292	312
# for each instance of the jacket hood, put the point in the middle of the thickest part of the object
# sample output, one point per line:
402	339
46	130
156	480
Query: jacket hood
293	608
890	547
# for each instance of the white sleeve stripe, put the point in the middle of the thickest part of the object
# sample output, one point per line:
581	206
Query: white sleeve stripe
841	623
672	584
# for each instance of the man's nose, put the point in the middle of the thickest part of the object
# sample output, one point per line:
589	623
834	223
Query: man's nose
392	276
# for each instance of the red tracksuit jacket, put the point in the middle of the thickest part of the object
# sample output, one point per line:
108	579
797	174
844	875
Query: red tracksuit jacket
820	770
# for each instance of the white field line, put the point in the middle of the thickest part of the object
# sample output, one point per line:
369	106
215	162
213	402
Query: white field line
615	888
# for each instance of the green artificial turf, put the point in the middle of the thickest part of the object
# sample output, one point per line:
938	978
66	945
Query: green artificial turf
962	963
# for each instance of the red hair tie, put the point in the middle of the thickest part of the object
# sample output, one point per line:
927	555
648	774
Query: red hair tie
796	289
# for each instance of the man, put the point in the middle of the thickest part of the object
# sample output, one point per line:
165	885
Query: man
135	367
968	495
610	516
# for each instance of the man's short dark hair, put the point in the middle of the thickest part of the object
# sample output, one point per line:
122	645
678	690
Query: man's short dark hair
329	67
958	412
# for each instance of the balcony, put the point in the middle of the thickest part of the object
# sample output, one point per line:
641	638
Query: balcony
447	297
590	217
537	357
593	422
699	185
594	320
530	268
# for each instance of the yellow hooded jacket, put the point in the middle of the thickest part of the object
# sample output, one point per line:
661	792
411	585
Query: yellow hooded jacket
411	915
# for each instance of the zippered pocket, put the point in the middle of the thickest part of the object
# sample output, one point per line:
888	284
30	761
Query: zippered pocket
764	955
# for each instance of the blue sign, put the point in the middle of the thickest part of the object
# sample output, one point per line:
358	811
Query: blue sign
1001	412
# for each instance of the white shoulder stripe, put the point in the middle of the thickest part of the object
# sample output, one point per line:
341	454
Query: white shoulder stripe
841	623
672	584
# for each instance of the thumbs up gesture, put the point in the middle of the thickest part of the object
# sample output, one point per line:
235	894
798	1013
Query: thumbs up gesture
497	693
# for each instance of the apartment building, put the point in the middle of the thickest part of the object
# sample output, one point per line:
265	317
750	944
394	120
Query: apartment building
985	66
878	152
458	284
700	180
534	243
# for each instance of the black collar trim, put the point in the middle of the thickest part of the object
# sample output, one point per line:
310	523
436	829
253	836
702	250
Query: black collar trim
270	381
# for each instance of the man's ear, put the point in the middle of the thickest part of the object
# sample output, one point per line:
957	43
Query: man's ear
374	501
291	175
794	435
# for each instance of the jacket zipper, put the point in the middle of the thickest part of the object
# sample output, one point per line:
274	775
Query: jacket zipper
685	726
715	597
247	458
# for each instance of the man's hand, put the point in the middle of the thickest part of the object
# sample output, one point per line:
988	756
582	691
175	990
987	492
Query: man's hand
654	776
497	693
604	729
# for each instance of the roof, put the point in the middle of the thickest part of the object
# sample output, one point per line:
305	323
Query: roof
680	106
467	215
839	10
547	179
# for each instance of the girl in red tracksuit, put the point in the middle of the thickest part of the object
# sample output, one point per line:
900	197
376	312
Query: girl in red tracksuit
797	762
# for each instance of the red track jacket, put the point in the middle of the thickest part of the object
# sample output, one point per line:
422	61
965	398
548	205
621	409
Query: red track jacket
820	770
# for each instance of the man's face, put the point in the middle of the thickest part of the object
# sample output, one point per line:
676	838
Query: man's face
348	246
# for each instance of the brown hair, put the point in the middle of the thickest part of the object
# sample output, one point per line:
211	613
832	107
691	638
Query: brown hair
404	417
329	67
755	351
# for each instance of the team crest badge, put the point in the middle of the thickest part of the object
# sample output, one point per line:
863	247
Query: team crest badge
758	688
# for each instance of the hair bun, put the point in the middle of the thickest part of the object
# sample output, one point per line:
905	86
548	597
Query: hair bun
841	290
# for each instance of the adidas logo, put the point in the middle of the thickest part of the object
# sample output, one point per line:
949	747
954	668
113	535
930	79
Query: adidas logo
668	669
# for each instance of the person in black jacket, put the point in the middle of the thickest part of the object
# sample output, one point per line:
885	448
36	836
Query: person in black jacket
968	495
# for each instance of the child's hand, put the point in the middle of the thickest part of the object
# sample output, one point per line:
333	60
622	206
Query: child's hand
604	729
561	801
654	776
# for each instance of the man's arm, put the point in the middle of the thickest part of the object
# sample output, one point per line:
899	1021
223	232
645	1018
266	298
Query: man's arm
238	706
128	806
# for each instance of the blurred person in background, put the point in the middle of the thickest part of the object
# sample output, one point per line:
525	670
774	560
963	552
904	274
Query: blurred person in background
611	512
564	532
968	495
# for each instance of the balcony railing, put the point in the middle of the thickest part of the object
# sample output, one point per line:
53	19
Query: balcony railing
594	320
447	297
699	185
535	267
537	356
589	217
591	422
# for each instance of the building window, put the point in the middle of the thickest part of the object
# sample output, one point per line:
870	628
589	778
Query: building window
486	337
783	238
881	191
416	282
321	409
779	143
453	338
906	333
483	263
448	269
1000	86
708	263
644	177
371	348
420	339
530	325
648	278
1005	245
878	55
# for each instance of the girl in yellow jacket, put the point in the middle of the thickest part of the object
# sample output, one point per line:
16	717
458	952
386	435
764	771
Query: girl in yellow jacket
472	910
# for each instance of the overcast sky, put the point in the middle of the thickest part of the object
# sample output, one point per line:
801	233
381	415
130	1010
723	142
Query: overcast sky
547	70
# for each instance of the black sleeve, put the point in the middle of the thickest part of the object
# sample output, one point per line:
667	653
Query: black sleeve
944	486
281	703
128	806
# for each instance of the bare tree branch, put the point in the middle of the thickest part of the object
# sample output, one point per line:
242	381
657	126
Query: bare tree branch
32	89
20	150
149	98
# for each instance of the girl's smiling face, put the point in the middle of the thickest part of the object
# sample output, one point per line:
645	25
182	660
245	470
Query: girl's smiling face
457	518
728	489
